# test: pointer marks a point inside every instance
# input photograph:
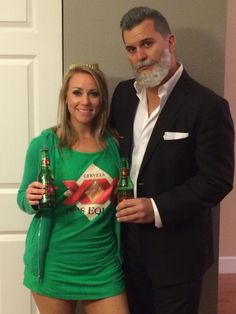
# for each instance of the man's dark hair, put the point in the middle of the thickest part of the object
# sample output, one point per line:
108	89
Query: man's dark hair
137	15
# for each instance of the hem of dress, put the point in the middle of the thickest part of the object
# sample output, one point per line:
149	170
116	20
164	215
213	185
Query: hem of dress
80	297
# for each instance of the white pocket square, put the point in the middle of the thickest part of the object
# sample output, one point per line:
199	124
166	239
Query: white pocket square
175	135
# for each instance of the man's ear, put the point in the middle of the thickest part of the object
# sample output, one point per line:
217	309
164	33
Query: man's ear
172	43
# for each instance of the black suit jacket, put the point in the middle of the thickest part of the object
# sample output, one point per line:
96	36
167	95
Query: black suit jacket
186	177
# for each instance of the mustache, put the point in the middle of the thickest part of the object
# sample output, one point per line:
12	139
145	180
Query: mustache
140	64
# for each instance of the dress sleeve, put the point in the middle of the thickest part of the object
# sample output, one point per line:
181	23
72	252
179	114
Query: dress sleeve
115	155
29	175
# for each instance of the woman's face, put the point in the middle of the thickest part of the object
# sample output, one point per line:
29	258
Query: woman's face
83	99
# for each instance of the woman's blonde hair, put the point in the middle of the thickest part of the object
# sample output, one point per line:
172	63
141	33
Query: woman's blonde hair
67	134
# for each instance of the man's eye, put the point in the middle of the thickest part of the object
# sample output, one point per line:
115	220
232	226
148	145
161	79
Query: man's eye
148	44
130	50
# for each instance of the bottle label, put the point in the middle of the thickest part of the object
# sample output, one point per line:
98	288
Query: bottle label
124	172
48	199
45	162
46	178
125	194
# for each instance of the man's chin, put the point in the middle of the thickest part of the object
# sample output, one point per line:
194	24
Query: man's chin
142	83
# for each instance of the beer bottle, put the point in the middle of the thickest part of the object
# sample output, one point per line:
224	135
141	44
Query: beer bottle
125	184
46	177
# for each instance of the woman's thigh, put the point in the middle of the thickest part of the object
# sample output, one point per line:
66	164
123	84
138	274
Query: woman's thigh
48	305
116	305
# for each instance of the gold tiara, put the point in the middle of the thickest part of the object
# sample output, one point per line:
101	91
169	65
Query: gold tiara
93	66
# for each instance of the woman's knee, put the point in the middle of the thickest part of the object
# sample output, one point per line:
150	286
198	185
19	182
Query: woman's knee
116	305
47	305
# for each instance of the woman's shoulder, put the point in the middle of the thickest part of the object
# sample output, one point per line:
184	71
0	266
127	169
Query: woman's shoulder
44	139
110	138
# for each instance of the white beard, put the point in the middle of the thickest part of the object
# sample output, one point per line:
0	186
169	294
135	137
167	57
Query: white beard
155	76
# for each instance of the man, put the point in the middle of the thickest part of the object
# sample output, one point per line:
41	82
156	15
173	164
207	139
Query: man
179	137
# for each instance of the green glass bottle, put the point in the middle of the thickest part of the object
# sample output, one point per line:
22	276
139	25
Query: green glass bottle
125	184
46	177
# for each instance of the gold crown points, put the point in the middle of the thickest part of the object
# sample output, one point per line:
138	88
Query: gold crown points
93	66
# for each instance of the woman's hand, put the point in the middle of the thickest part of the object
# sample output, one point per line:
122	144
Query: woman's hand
34	192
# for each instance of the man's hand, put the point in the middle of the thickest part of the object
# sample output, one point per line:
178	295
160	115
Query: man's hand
136	210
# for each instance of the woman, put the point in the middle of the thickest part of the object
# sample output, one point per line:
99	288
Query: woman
82	260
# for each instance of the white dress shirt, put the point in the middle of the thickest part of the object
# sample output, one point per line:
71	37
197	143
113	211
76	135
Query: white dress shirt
143	127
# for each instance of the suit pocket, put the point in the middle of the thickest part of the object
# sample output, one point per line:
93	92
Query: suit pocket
177	153
168	136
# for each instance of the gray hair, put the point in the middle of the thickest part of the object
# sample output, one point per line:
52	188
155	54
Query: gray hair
137	15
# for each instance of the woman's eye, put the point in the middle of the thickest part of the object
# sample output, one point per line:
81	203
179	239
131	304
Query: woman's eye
77	93
94	94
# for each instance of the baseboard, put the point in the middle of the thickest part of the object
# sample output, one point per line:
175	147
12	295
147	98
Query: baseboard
227	264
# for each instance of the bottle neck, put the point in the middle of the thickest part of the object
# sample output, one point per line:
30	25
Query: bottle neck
45	162
124	173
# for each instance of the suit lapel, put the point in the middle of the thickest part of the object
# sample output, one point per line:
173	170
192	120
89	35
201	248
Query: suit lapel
175	102
131	107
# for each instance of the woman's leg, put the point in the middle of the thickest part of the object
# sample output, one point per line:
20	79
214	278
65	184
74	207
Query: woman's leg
48	305
115	305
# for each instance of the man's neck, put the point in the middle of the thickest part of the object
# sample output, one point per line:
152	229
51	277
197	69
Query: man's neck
153	100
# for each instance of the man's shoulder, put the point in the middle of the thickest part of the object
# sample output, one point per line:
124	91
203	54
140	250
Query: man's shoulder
199	88
126	84
125	88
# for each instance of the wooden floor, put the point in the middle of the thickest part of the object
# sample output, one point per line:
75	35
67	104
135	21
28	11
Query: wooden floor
227	294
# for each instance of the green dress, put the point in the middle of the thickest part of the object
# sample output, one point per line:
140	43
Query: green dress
82	261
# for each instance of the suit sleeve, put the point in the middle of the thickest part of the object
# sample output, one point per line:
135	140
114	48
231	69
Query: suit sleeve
214	158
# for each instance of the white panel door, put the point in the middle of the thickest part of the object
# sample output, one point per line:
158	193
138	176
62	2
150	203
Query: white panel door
30	77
